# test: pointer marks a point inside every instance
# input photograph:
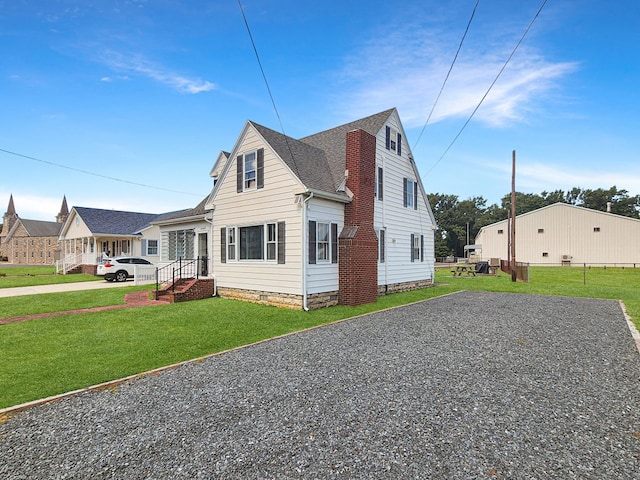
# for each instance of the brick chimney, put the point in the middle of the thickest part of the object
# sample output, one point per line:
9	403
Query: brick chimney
358	243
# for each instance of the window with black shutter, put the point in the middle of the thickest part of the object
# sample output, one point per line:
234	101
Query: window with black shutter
250	171
312	242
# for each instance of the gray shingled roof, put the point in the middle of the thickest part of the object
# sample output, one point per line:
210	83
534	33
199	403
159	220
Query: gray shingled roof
319	160
114	222
308	163
40	228
189	212
333	141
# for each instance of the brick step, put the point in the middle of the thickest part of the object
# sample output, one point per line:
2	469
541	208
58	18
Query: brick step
187	289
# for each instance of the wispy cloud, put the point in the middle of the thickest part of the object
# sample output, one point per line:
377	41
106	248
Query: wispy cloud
540	176
406	70
136	64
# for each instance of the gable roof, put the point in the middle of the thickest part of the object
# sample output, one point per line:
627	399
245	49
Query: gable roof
557	205
34	228
40	228
318	160
308	163
114	222
334	141
171	217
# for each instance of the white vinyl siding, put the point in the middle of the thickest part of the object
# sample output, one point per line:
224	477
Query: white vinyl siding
275	203
323	275
401	222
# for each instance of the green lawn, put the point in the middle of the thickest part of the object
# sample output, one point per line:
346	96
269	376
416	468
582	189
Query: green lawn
59	302
39	358
38	275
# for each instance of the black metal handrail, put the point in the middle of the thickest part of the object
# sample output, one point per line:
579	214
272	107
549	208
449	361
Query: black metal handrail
181	268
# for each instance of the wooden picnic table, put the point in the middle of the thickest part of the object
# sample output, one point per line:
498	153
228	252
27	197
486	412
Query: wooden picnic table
468	270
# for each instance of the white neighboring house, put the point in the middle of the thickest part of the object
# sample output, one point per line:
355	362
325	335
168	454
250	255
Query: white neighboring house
90	234
337	217
565	234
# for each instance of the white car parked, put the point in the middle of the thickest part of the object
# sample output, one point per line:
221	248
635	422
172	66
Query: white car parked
120	268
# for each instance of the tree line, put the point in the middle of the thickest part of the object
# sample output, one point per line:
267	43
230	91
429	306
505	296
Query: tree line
461	219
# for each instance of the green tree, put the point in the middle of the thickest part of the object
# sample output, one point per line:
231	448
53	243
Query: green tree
619	200
455	219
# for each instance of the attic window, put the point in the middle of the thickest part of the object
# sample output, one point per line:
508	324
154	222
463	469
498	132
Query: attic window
250	170
393	140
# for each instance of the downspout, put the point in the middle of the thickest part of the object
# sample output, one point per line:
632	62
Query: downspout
215	284
305	250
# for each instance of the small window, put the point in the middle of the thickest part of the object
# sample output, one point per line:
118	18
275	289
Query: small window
152	247
377	188
596	229
250	170
416	247
541	230
500	232
231	244
410	193
545	254
271	241
393	140
322	240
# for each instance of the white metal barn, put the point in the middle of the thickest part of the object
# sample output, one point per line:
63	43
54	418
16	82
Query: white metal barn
563	234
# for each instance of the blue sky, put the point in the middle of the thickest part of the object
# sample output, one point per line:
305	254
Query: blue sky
149	92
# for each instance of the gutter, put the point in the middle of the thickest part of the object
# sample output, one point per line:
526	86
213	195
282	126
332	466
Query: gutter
329	196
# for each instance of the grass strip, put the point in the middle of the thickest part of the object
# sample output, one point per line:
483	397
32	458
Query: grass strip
32	280
60	302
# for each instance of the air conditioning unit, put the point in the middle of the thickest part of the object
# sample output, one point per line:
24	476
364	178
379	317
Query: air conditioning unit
566	258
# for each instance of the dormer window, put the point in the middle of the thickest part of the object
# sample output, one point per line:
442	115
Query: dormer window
393	140
250	170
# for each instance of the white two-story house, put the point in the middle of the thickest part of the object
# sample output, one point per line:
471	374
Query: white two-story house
338	217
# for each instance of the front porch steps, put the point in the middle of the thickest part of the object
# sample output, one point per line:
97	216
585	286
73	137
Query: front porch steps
186	289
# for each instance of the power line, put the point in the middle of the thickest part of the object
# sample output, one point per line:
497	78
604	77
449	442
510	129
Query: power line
448	73
86	172
490	86
264	77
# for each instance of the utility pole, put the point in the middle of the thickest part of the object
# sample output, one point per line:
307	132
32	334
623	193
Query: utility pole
514	275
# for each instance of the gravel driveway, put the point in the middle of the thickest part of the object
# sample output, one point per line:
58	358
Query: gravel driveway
472	385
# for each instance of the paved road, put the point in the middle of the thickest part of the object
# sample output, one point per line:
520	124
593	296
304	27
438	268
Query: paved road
472	385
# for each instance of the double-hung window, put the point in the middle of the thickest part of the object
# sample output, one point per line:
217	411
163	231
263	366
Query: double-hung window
417	248
272	241
378	183
250	171
149	247
393	140
231	244
381	245
323	242
409	193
